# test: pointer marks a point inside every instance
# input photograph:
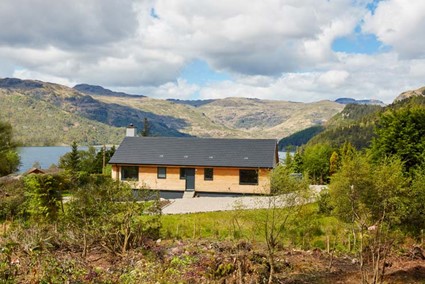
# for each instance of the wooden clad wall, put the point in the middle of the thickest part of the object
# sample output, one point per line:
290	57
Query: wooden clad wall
225	180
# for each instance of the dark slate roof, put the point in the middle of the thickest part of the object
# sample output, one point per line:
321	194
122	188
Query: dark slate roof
172	151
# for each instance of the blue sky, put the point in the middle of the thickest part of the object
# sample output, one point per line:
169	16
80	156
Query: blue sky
305	50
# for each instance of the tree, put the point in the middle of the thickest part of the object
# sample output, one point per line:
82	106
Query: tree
414	220
43	196
316	162
105	212
102	159
297	162
288	157
146	128
74	158
401	133
89	161
9	158
373	199
283	208
333	163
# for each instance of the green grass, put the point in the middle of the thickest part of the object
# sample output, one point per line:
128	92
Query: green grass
218	225
309	230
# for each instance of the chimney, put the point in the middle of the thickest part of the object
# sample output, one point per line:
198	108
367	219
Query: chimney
131	131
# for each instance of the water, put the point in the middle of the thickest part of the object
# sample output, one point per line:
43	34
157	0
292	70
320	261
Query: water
45	156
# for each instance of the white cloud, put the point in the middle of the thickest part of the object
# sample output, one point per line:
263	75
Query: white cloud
400	24
380	77
31	75
333	78
275	49
179	89
121	43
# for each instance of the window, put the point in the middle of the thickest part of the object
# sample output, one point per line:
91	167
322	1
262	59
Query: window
208	174
162	172
248	177
130	173
182	173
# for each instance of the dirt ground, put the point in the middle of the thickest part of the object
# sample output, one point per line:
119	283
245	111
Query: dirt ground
204	261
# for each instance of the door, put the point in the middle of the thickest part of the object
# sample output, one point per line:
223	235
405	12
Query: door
190	179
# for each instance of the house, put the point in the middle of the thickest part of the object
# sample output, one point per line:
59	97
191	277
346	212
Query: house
34	170
196	165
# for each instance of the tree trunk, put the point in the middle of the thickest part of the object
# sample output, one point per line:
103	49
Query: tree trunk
84	245
271	263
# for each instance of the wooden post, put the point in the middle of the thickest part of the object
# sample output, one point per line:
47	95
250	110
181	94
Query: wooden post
327	244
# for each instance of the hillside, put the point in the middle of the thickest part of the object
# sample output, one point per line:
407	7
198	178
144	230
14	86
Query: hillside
299	138
40	123
346	101
356	122
51	114
266	118
237	117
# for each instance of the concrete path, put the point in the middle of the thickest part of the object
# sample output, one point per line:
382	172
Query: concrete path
209	204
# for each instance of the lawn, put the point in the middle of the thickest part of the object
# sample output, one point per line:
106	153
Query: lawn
307	230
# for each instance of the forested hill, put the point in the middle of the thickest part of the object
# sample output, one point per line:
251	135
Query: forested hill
356	123
51	114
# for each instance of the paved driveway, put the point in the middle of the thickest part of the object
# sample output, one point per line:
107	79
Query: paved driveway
209	204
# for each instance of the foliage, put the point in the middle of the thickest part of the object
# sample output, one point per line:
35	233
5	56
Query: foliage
413	222
8	156
373	199
105	212
86	161
316	161
146	128
74	159
11	199
288	158
333	163
284	207
300	138
43	196
297	163
401	133
354	124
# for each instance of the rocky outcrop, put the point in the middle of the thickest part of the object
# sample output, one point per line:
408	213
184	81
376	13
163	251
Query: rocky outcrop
412	93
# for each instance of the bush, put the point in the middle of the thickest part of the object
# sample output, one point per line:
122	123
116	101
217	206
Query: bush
105	213
11	199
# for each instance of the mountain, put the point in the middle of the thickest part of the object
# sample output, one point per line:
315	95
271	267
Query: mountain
194	103
408	94
237	117
346	101
98	90
51	114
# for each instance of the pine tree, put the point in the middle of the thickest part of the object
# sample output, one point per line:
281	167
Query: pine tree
74	158
146	128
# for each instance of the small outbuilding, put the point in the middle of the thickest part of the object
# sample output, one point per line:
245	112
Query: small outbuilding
201	165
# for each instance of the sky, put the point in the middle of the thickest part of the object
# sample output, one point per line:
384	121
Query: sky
292	50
